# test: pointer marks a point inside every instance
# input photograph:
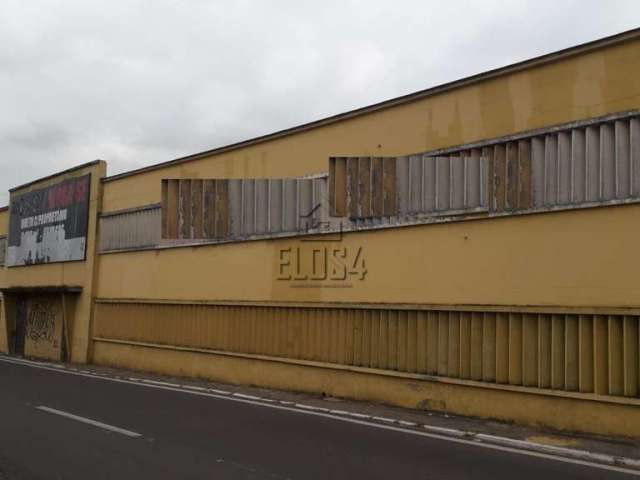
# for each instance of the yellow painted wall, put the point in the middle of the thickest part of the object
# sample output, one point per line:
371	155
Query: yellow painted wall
579	87
4	221
4	330
523	406
572	258
70	274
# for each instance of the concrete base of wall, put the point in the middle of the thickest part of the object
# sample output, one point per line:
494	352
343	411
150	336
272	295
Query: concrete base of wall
615	417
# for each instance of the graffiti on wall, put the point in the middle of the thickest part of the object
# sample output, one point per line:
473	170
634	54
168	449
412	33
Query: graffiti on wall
43	327
41	322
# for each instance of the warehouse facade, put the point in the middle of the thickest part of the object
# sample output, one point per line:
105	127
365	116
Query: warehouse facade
470	248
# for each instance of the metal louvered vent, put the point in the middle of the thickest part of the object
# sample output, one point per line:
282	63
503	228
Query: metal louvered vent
3	249
276	206
440	185
363	188
590	163
240	208
139	228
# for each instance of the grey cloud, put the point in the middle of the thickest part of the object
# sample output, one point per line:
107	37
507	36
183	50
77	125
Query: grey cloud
138	82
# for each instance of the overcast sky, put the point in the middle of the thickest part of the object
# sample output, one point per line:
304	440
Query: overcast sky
140	82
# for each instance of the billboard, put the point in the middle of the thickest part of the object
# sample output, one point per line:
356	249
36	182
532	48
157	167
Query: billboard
49	224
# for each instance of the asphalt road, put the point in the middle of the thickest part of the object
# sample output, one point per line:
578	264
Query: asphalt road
44	434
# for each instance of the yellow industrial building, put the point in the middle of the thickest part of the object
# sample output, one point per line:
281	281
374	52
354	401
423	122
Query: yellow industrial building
471	248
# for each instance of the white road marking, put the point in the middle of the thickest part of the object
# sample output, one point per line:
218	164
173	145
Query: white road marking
404	423
446	431
476	443
311	407
194	387
155	382
385	419
219	392
95	423
247	397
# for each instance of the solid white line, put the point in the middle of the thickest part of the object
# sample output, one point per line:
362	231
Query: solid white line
95	423
475	443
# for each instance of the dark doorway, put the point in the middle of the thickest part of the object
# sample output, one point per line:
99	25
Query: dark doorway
21	321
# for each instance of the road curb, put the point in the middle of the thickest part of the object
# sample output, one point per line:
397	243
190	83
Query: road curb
559	451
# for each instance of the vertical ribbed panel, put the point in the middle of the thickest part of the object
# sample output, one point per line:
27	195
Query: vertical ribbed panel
248	207
592	164
582	353
578	165
363	188
261	206
290	205
3	249
240	208
634	152
608	177
595	163
235	207
305	204
428	185
131	229
272	206
433	185
276	205
195	209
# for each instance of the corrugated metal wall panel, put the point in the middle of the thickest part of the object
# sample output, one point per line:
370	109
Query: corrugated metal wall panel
362	189
241	208
599	162
131	229
3	249
435	185
405	187
586	353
